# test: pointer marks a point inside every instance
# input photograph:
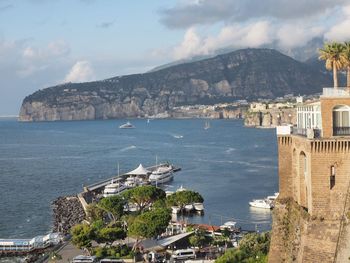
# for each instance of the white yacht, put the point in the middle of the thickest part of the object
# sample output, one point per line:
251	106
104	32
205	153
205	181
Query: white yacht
199	207
127	125
114	188
181	188
229	225
261	203
161	175
133	181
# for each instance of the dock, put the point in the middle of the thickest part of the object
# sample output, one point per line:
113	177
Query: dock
100	185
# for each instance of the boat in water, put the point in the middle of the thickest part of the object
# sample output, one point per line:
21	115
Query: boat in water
181	188
229	225
114	188
127	125
189	207
134	181
206	125
161	175
261	203
199	207
273	197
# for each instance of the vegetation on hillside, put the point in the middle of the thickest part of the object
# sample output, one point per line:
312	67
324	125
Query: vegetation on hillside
253	248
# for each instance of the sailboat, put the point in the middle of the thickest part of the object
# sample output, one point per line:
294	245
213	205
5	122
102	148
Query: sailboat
206	125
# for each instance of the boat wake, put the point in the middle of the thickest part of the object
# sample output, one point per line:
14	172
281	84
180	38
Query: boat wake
230	150
128	148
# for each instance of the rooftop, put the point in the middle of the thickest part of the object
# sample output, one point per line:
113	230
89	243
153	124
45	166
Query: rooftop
335	92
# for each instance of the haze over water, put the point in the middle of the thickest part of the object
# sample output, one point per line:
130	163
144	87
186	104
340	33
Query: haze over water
228	164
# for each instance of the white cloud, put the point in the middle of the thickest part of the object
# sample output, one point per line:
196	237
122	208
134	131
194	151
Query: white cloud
341	30
296	35
251	35
80	72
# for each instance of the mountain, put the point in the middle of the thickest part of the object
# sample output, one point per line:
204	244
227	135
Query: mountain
242	74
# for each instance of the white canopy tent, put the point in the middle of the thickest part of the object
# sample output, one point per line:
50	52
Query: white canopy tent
140	170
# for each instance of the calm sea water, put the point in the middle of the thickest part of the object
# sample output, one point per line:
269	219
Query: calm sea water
228	164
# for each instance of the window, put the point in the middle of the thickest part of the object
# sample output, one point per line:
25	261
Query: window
332	177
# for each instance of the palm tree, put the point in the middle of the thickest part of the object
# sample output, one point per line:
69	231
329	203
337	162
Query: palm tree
345	56
331	53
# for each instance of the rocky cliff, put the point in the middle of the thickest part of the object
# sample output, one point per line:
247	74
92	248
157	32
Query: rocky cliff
243	74
270	118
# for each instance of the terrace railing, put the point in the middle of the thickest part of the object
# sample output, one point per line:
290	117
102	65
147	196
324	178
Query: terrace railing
339	92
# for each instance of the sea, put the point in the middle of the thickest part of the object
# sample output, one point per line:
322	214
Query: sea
228	164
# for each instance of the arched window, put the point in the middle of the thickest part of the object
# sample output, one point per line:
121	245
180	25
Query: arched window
332	177
341	120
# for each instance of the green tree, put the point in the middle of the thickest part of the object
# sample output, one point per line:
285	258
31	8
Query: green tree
183	198
345	57
81	235
144	196
198	239
114	205
253	248
95	213
110	234
331	53
150	223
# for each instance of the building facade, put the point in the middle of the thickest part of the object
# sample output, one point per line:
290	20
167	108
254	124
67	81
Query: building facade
314	157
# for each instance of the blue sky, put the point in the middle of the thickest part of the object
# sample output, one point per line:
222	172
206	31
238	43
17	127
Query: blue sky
47	42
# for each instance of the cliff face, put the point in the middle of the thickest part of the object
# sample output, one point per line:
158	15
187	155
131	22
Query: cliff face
243	74
270	118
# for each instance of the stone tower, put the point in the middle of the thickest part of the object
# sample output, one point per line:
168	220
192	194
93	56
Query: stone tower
312	213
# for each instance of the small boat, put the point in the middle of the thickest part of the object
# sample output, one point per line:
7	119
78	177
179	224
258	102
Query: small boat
229	225
178	136
199	207
261	203
127	125
273	197
189	207
206	125
114	188
161	175
175	209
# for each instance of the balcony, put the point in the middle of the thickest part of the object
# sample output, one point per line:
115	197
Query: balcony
341	131
339	92
308	133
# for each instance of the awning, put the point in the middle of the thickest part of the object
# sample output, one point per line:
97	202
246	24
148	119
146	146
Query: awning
139	171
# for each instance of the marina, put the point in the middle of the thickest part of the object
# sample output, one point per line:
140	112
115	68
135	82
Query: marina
227	172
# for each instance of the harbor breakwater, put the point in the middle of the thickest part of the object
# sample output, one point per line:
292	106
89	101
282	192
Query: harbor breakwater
67	212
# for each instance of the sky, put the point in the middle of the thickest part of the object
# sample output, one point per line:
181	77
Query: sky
48	42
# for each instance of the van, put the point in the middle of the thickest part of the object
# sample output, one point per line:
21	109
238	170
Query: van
184	254
84	259
111	260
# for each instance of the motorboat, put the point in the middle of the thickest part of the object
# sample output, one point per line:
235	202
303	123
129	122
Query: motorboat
175	209
229	225
261	203
206	125
188	207
199	207
133	181
273	197
114	188
127	125
161	175
167	193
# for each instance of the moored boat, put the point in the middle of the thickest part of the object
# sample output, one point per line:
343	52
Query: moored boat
229	225
199	207
161	175
261	203
189	207
114	188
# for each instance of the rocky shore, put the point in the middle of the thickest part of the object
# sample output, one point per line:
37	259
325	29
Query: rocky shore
67	212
